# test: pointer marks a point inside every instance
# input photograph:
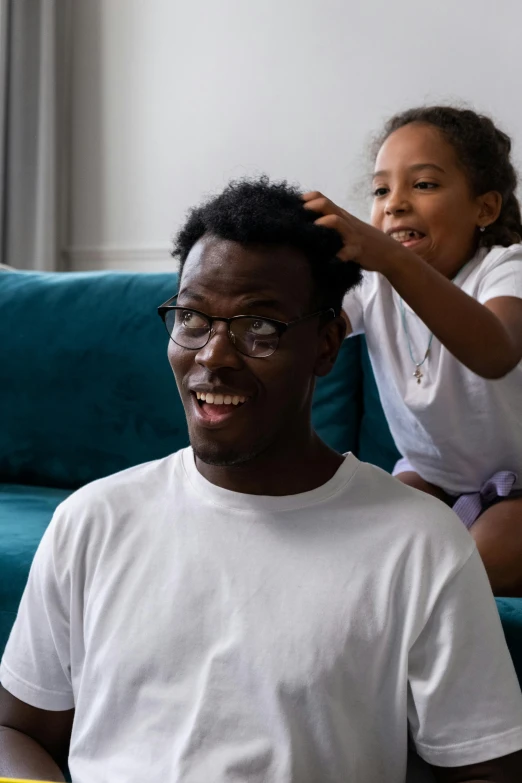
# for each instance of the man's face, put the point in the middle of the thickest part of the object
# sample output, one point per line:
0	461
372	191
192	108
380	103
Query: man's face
224	278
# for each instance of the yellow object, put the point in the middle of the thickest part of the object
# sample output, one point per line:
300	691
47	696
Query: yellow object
20	780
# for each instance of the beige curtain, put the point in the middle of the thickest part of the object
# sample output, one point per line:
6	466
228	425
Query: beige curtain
35	47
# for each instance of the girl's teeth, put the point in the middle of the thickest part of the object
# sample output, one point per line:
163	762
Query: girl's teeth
404	236
235	400
227	400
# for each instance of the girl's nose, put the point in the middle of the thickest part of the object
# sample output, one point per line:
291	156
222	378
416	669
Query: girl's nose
396	204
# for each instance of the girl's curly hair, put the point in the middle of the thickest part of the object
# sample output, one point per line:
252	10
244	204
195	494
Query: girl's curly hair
484	152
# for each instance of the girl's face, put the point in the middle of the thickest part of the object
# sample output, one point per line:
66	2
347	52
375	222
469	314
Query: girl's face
423	199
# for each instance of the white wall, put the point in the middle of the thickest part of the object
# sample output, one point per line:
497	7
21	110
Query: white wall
172	98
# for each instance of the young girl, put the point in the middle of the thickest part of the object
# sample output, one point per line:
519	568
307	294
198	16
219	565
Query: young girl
441	306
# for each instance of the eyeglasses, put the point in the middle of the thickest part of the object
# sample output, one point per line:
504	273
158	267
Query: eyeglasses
251	335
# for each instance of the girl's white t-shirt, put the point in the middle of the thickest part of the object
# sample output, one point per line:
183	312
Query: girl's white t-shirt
205	635
455	428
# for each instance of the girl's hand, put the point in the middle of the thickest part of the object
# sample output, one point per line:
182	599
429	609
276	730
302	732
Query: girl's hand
369	247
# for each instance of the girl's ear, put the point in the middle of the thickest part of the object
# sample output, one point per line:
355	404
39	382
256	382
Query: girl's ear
332	338
490	204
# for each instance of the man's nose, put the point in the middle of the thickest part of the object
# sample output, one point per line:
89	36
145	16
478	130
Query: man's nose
219	352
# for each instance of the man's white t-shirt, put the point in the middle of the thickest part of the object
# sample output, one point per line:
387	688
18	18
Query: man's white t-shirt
205	635
455	428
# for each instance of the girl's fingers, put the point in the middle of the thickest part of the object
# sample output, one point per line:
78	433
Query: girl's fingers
319	203
311	195
323	205
349	253
351	248
336	218
337	222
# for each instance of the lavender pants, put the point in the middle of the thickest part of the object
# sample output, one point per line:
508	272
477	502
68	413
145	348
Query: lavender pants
470	506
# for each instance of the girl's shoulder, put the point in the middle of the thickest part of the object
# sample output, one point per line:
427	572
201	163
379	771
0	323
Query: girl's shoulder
486	259
493	272
498	254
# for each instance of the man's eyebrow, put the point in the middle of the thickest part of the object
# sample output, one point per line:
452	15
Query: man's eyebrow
191	294
248	304
270	303
415	167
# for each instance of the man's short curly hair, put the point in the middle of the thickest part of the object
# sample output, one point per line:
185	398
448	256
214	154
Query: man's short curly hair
261	212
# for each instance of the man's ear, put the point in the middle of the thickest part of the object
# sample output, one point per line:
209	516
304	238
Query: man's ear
331	339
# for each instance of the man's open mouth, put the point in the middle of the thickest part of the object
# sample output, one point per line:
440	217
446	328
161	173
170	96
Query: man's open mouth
220	399
217	408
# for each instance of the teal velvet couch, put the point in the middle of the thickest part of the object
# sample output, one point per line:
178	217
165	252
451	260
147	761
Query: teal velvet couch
86	390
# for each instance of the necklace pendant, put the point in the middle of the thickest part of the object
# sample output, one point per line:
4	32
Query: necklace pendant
418	374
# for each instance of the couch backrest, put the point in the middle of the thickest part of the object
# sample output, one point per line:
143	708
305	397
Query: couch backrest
376	444
85	386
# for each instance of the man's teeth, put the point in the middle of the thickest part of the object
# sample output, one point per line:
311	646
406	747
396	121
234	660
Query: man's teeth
404	236
220	399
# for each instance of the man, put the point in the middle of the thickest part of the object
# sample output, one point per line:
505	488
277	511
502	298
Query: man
257	608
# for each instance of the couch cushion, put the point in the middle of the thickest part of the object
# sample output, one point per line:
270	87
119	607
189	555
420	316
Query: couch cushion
510	610
376	444
337	402
25	513
85	386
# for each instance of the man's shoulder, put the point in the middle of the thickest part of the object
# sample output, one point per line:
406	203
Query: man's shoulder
404	514
122	493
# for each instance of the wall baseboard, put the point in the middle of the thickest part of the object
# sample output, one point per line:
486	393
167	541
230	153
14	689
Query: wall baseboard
119	259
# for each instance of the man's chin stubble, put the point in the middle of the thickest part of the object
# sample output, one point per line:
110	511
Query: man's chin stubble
226	457
223	459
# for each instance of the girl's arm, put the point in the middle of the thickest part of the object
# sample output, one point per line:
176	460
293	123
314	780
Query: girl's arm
485	338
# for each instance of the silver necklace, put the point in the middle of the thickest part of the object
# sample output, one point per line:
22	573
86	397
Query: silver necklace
418	374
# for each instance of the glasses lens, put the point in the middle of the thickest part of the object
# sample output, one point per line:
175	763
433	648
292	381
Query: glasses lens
255	336
187	328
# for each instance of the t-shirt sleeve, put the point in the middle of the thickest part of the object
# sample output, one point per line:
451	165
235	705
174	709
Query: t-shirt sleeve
464	700
504	277
36	664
